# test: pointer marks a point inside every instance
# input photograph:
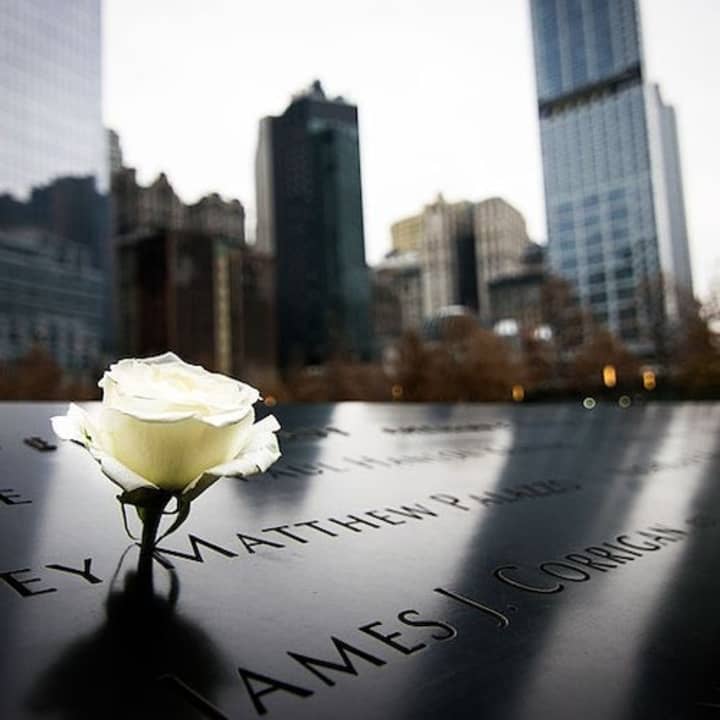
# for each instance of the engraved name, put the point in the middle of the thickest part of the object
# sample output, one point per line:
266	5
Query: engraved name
285	468
281	537
374	644
579	567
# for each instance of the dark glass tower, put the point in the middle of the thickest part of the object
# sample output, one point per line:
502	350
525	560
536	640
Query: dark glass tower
309	201
55	259
613	189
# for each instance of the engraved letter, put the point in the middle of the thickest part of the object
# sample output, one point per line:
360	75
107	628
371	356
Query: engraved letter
389	639
84	573
503	621
416	511
344	650
9	497
384	517
613	557
622	539
272	685
499	573
449	500
283	530
352	522
315	525
545	567
196	556
20	585
250	542
585	560
449	631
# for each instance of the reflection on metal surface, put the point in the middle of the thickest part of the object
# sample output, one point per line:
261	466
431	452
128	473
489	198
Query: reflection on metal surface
494	562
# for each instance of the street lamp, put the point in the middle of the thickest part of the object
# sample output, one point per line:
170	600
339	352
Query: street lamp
648	379
609	376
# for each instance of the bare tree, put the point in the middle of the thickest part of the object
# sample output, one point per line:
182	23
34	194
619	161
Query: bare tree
604	349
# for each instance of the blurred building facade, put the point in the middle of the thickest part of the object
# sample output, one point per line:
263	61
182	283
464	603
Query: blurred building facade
115	155
186	280
518	294
461	248
157	206
56	256
51	295
252	274
613	189
397	297
446	238
174	291
407	234
202	296
501	242
309	208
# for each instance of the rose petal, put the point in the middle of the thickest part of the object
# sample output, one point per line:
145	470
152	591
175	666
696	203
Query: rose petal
155	416
67	429
166	359
75	426
226	418
171	454
257	456
266	425
150	388
120	474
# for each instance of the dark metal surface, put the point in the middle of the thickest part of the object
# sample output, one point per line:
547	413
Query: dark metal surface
398	562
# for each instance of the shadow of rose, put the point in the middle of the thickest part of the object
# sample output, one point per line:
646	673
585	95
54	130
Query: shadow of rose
144	661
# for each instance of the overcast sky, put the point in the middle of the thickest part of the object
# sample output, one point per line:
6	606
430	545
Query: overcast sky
445	92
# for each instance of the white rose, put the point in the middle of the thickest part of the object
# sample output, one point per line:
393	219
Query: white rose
168	425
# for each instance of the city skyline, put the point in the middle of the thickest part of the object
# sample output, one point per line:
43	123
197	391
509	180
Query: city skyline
429	119
613	189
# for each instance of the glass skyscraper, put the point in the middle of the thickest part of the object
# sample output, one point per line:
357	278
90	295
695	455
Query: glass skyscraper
309	200
613	189
55	259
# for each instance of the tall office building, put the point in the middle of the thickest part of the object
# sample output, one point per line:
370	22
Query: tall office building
55	259
613	189
309	209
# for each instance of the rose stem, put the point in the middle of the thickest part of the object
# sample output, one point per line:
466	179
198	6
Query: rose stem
152	514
